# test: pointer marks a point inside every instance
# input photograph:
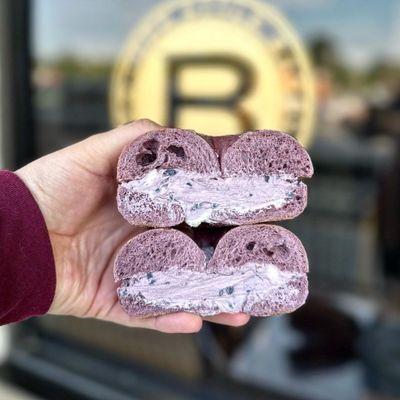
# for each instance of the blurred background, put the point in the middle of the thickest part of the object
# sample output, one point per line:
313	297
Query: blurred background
326	71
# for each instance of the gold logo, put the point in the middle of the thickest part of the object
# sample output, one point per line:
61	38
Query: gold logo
216	66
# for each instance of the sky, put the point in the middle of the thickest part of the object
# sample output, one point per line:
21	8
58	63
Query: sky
364	30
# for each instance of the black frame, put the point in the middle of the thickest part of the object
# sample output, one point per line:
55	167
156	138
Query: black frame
17	125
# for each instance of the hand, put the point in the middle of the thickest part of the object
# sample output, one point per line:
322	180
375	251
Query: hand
76	188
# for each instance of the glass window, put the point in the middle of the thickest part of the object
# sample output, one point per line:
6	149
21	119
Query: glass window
340	78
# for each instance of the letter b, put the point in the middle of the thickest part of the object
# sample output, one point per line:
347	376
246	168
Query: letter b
229	102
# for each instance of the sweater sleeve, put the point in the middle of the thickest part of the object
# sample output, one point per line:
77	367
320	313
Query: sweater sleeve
27	269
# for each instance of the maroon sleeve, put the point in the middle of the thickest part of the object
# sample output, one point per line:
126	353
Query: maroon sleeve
27	269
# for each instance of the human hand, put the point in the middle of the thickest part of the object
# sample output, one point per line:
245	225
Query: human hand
76	188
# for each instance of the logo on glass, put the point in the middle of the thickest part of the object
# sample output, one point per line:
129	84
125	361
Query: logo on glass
216	66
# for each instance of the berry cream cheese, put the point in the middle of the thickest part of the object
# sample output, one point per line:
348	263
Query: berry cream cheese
203	198
237	290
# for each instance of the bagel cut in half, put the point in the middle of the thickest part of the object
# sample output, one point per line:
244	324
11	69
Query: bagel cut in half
170	176
259	270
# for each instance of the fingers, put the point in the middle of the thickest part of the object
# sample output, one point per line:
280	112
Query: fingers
190	323
100	152
186	322
229	319
174	323
169	323
178	323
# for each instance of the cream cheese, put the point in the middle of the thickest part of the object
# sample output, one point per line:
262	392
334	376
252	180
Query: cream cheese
205	199
236	290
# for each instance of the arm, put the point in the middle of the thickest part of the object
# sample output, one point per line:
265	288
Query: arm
27	270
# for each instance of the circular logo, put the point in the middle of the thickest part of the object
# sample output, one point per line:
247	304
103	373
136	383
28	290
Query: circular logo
215	66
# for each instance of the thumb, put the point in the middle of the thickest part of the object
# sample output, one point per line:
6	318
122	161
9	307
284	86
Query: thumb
102	150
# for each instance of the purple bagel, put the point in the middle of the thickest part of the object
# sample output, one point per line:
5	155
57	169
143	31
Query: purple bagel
170	176
259	270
